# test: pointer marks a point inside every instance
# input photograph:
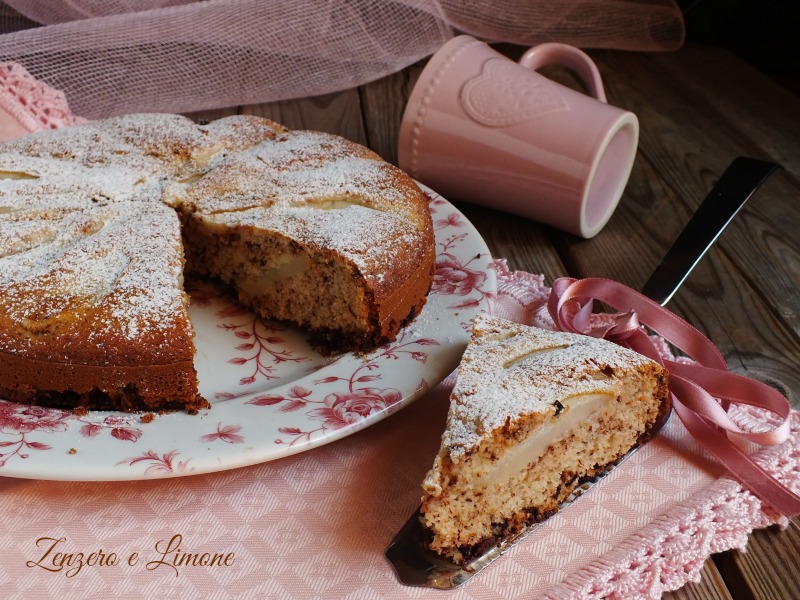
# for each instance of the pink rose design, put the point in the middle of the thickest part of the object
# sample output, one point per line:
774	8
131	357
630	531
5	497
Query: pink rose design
20	418
345	408
453	278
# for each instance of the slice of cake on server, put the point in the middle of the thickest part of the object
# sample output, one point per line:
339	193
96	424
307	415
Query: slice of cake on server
532	414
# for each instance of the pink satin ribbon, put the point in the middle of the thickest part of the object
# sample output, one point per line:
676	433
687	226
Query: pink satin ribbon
701	392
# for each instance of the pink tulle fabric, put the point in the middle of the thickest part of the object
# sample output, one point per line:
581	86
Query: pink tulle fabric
121	56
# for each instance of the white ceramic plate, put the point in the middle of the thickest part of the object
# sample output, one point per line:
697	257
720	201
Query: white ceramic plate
272	395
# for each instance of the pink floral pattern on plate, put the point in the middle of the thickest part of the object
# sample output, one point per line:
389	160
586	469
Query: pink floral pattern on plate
272	394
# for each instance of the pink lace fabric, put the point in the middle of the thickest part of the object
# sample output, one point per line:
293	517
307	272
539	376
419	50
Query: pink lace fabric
30	104
117	56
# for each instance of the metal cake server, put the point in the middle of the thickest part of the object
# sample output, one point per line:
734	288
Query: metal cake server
413	562
738	183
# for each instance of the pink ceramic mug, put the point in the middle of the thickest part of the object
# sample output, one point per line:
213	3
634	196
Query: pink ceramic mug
481	128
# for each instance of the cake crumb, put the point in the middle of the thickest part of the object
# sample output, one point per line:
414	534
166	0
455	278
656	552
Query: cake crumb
72	451
80	411
147	417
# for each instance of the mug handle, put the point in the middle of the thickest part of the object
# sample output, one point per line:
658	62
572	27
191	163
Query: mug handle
575	59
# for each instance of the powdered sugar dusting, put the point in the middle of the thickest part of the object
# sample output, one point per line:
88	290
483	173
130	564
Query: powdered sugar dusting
123	278
74	236
356	232
493	385
31	183
165	145
146	143
296	167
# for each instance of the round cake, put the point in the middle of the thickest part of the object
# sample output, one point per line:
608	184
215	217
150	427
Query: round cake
98	223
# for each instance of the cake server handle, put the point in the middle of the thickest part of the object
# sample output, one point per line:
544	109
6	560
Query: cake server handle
735	187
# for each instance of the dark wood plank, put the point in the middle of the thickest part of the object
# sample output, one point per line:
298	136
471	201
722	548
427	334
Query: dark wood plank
338	113
524	244
692	138
749	100
743	295
691	143
710	587
383	103
769	569
211	115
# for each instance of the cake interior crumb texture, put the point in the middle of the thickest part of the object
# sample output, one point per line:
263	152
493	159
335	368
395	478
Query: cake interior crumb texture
532	414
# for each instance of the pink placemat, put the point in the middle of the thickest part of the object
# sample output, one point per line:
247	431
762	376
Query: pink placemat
316	525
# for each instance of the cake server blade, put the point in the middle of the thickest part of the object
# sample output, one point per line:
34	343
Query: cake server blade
738	183
416	565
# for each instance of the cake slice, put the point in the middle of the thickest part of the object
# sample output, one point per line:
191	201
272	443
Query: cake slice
532	414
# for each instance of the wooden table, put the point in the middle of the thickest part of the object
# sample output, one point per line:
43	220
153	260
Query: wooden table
699	108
